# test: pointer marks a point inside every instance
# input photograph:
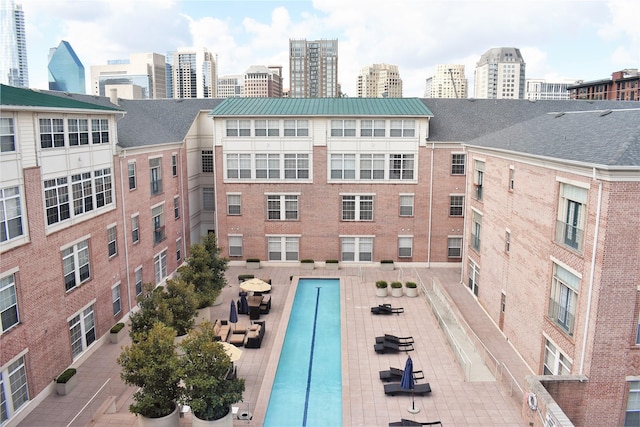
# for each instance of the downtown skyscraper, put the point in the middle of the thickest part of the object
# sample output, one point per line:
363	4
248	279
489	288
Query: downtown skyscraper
13	50
313	68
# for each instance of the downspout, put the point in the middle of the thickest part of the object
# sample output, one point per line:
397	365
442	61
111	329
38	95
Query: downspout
215	180
183	206
430	206
464	218
591	273
124	226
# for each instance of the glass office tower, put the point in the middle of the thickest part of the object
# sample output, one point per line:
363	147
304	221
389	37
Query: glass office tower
66	72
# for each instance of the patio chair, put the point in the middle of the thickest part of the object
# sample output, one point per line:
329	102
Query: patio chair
392	389
396	339
395	374
406	422
391	347
386	309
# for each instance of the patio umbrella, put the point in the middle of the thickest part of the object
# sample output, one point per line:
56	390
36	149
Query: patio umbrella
233	313
407	383
255	285
232	351
244	304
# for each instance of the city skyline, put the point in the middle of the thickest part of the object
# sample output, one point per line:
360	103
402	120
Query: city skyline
558	40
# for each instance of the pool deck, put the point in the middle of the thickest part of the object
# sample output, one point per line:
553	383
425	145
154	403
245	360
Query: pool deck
453	401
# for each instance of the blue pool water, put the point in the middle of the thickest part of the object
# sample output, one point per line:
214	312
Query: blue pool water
307	389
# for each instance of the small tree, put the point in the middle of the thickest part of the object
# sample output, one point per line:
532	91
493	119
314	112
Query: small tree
152	364
205	365
154	308
182	302
217	263
196	270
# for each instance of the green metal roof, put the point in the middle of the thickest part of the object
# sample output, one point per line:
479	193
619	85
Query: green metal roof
20	97
408	107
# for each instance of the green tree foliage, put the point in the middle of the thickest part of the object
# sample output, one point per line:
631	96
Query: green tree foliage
154	308
182	301
205	270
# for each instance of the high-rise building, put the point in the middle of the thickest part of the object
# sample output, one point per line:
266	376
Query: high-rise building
448	81
230	86
539	89
624	85
263	82
142	76
194	73
66	72
500	74
313	68
379	81
13	55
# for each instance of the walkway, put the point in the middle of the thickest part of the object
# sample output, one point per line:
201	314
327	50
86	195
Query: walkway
454	401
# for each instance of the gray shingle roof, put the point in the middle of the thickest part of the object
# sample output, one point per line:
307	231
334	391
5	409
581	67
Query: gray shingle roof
604	137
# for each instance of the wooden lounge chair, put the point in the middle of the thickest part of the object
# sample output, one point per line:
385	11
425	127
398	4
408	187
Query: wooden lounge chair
395	374
406	422
392	389
393	338
390	347
386	309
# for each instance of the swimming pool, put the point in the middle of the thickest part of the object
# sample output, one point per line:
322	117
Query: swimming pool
307	388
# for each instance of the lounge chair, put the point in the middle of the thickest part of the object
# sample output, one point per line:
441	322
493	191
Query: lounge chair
406	422
392	389
393	338
391	347
395	374
386	309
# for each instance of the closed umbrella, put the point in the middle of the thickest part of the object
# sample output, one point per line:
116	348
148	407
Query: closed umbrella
244	304
233	313
407	383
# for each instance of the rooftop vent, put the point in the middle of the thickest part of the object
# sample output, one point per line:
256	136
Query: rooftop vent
558	115
605	113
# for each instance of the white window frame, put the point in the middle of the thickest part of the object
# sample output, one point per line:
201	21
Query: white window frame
139	286
238	128
296	166
160	266
296	128
176	207
155	175
454	243
179	249
563	299
7	135
100	131
238	166
76	262
343	128
116	299
572	210
283	248
372	166
53	127
208	199
361	205
458	163
135	228
235	245
555	362
454	206
9	301
474	277
406	203
84	320
268	128
478	179
79	130
476	230
356	248
405	246
174	165
633	403
283	207
373	128
402	166
14	385
234	204
343	166
11	213
157	223
112	240
131	174
405	128
267	166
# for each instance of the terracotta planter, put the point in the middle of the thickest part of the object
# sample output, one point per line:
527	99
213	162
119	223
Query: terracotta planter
65	388
382	292
226	421
171	420
396	292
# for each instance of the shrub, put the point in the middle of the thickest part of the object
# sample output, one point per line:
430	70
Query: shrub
381	284
116	328
66	375
307	261
332	261
386	261
396	285
411	285
243	277
253	259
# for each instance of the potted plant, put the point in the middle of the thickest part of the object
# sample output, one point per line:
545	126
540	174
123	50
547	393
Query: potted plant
154	308
207	390
386	264
218	265
204	268
66	381
116	333
332	264
244	277
396	289
152	365
253	263
307	264
412	289
381	288
182	302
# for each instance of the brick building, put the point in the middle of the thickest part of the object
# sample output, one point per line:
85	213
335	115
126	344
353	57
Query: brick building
622	86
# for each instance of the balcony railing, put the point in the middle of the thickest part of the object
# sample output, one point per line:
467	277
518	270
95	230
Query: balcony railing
561	316
569	235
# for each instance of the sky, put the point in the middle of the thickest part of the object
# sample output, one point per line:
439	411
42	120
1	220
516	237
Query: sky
559	39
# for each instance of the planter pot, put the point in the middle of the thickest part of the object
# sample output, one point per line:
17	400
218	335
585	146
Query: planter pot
382	292
396	292
307	265
117	337
65	388
253	265
384	266
332	265
171	420
226	421
412	292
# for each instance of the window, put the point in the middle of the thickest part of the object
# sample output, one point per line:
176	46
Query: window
14	389
7	135
207	161
402	128
267	128
296	166
507	241
238	127
155	174
282	207
638	332
176	207
401	166
75	263
178	249
474	277
8	303
112	242
208	199
571	216
357	208
476	226
268	166
10	214
343	128
563	298
512	173
82	331
135	229
78	131
296	128
234	204
405	246
632	416
406	204
478	180
103	187
457	164
115	298
374	128
456	205
356	248
82	191
238	166
100	131
157	222
160	266
132	176
283	248
555	362
235	245
138	275
174	165
51	133
343	166
454	247
371	166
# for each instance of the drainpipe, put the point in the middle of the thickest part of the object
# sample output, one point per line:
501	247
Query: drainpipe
464	218
215	180
183	203
591	273
124	229
430	206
